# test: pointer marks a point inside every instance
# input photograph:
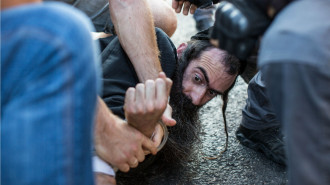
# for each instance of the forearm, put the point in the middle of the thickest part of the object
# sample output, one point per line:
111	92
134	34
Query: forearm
135	28
104	120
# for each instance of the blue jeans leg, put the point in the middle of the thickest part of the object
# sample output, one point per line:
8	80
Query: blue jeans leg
48	95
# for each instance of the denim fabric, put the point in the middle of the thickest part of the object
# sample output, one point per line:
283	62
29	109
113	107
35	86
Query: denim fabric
48	95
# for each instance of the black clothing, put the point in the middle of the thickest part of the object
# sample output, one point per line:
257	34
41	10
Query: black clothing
119	73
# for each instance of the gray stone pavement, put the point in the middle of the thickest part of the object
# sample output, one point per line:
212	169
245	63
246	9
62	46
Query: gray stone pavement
238	165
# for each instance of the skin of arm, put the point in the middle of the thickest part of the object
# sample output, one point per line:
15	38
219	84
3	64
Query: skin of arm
135	28
136	16
164	17
118	143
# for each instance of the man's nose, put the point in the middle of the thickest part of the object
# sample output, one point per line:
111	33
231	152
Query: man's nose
197	96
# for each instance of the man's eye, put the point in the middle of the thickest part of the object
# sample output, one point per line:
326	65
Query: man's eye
197	79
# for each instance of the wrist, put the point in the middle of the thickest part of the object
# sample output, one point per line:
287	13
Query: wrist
150	70
146	130
165	135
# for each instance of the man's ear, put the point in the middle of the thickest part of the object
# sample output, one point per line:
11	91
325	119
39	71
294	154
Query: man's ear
181	48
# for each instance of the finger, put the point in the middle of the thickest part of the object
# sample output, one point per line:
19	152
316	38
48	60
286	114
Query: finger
129	98
161	94
168	121
147	144
175	4
167	116
159	133
161	75
169	84
133	163
186	8
180	4
150	94
140	155
167	80
123	167
146	152
102	179
193	8
139	97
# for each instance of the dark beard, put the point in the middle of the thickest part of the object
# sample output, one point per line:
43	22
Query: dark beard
182	139
184	136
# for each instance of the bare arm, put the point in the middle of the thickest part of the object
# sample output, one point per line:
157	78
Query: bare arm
135	28
118	143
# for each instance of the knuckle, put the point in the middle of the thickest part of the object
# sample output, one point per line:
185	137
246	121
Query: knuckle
150	82
164	104
150	107
139	110
124	168
160	81
134	148
139	86
142	158
161	105
130	89
120	162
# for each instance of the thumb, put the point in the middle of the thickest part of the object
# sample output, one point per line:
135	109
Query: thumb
168	120
167	116
168	82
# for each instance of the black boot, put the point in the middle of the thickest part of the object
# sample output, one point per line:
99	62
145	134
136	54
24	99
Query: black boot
268	141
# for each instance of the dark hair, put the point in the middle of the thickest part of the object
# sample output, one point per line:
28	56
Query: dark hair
196	47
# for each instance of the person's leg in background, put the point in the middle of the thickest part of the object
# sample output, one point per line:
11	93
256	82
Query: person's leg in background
294	57
204	18
48	95
301	99
260	130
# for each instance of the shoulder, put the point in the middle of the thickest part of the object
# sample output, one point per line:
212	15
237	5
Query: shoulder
302	18
298	34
